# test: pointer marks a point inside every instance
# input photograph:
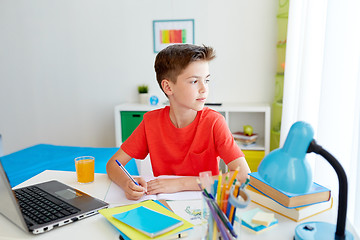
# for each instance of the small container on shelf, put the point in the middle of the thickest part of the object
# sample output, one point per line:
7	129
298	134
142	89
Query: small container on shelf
245	140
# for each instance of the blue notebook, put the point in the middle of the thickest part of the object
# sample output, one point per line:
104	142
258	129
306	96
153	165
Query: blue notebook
147	221
124	237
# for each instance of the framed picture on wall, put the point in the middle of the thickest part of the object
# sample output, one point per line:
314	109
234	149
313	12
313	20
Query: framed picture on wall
167	32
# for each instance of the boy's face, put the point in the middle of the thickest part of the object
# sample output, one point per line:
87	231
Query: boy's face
191	88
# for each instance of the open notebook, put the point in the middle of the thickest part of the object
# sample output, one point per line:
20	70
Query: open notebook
116	196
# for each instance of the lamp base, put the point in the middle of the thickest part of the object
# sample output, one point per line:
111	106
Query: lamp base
318	230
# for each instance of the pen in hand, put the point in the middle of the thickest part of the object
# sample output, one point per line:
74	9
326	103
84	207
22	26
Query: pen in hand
126	172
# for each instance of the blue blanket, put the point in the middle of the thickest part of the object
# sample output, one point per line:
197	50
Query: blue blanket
24	164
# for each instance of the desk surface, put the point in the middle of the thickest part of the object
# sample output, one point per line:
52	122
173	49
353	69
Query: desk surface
97	227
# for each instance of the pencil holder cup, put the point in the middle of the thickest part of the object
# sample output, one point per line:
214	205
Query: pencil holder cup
220	215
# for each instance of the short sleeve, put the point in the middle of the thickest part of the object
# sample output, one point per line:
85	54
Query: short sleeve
136	145
225	144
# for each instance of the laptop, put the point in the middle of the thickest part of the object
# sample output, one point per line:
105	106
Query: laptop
42	207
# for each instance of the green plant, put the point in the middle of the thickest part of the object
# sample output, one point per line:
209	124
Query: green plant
143	88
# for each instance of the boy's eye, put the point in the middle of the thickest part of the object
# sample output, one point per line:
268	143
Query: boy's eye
195	81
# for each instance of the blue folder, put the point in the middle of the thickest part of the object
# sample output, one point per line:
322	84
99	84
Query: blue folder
26	163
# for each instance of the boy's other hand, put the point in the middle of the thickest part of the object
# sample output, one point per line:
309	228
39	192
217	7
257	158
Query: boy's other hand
133	191
163	186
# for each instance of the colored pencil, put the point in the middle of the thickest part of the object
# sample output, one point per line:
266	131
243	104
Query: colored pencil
232	210
245	184
214	188
225	199
215	231
233	219
218	193
233	176
223	190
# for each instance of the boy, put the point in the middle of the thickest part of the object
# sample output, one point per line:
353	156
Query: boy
184	138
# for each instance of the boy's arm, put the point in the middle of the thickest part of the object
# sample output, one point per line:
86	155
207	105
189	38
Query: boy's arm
172	185
117	175
243	171
190	184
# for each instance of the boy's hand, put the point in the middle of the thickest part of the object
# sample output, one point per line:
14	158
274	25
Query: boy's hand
163	186
244	168
133	191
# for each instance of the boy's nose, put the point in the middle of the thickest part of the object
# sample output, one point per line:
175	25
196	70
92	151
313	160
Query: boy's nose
203	87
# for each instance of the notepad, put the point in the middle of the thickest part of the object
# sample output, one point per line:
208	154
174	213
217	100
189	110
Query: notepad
246	221
116	196
147	221
263	218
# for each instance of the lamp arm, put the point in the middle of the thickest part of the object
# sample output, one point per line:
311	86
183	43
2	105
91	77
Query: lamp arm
343	187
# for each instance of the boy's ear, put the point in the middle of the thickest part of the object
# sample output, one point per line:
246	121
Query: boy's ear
166	86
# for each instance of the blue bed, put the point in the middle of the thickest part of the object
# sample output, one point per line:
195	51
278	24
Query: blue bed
26	163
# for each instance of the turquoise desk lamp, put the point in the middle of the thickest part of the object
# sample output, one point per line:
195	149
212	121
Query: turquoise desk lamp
287	169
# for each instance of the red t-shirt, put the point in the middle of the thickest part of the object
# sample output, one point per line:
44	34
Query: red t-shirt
183	151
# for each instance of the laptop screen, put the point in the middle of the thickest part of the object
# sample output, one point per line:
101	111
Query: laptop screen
1	147
9	207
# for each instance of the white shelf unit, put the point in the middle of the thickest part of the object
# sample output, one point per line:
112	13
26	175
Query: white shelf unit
236	115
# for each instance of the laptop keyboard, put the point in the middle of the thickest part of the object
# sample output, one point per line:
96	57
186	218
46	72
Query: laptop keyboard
42	207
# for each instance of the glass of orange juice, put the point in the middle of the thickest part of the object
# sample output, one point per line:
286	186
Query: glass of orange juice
85	169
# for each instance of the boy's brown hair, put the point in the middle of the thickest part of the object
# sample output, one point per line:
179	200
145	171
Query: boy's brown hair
171	61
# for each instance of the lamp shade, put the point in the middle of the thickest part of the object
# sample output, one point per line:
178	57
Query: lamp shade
286	168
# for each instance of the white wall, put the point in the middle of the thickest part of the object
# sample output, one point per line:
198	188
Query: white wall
65	64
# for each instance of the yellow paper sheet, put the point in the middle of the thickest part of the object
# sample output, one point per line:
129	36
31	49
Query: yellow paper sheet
134	234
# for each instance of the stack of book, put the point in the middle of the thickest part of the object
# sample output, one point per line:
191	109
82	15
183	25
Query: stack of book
296	207
244	139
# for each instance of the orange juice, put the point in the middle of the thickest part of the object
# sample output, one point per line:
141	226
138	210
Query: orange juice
85	169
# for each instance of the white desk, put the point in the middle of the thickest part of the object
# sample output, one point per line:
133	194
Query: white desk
97	227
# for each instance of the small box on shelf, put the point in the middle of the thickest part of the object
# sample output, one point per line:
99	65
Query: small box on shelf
244	140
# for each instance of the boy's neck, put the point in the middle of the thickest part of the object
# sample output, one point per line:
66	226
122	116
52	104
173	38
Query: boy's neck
182	118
